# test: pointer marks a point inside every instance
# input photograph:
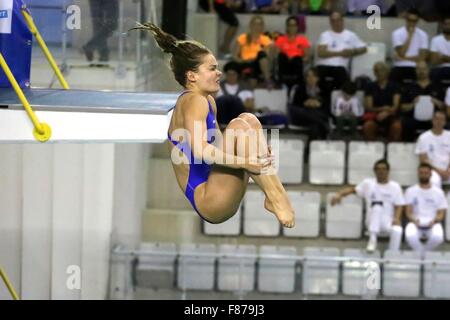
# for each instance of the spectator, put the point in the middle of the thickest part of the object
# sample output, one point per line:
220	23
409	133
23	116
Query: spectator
335	48
410	98
224	9
425	209
254	51
307	108
440	55
433	148
347	110
360	6
270	6
316	6
293	53
104	16
384	205
382	103
233	97
410	44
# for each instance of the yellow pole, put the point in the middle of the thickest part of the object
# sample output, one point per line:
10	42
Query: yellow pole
44	48
9	285
42	131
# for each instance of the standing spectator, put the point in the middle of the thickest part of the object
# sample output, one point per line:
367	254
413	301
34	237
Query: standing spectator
382	103
433	147
293	53
347	110
440	55
233	97
425	209
307	107
254	51
384	205
410	97
410	44
224	9
335	48
104	14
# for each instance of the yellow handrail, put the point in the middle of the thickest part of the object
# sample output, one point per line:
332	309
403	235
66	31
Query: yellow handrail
42	131
44	48
8	285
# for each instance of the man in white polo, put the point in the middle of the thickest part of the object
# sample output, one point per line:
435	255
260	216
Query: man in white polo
384	205
440	55
425	208
433	147
334	50
410	45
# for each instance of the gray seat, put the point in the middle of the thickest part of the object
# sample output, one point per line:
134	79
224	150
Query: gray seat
361	158
361	278
344	221
195	271
156	266
327	162
437	277
231	227
401	279
290	166
236	273
257	220
320	277
403	162
307	218
277	275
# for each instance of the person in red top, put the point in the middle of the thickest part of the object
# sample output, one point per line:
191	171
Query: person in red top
293	51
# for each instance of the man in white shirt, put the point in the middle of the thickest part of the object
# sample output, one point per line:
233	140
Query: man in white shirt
410	45
384	205
440	55
433	148
334	50
425	208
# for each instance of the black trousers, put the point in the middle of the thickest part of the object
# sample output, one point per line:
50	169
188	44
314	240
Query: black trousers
290	71
331	78
403	75
440	76
410	127
315	119
104	14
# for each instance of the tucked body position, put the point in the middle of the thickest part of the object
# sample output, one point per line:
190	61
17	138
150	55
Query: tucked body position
213	168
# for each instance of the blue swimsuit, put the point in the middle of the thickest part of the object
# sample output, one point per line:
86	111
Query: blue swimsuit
198	172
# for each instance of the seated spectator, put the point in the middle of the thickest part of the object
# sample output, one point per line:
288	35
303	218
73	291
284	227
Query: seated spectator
384	205
433	147
440	55
254	51
316	6
347	111
382	103
335	48
224	9
270	6
293	53
233	97
411	45
307	107
410	98
425	208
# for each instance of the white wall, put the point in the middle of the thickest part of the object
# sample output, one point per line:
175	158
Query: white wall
56	212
